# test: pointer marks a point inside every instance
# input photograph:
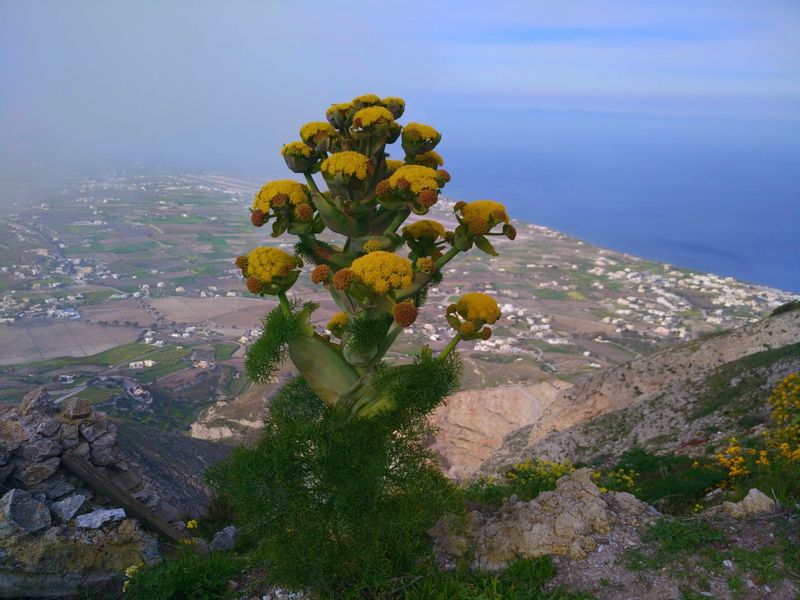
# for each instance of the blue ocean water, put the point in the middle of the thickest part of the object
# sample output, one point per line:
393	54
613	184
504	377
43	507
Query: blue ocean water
720	195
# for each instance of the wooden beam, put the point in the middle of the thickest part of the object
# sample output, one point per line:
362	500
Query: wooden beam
103	485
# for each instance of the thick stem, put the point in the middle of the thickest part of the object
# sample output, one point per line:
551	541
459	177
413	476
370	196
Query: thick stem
398	220
446	258
286	307
450	347
387	343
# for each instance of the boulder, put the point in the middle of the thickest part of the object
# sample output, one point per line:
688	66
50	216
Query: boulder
12	434
104	450
39	471
566	521
97	518
76	408
22	513
65	510
754	504
38	402
224	540
39	450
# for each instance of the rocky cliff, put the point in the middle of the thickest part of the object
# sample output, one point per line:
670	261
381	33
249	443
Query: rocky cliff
64	469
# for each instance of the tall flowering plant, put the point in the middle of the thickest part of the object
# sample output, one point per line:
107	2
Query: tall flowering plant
379	274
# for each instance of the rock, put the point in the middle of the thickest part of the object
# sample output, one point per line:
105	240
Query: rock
98	518
104	450
53	487
128	479
567	521
66	509
12	434
5	473
38	472
754	504
76	408
47	428
224	540
38	402
92	431
21	512
40	449
62	562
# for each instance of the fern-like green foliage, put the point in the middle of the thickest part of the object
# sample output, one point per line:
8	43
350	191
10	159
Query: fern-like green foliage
269	351
338	506
366	332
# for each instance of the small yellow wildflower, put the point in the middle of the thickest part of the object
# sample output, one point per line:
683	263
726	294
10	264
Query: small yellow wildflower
478	307
372	115
383	271
424	229
297	193
192	524
316	131
296	149
338	321
349	164
481	215
267	263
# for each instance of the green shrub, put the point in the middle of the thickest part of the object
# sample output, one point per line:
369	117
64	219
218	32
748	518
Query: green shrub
671	483
189	576
338	505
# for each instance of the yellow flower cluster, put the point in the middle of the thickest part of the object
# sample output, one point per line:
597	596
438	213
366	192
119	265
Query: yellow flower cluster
349	164
481	215
619	480
371	246
785	412
424	228
383	271
372	115
366	99
341	107
296	149
734	459
312	133
543	470
267	263
478	307
416	177
420	132
430	159
288	189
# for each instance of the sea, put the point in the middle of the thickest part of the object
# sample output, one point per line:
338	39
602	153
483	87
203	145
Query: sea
718	195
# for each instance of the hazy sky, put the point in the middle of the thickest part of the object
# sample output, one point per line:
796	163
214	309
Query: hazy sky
222	84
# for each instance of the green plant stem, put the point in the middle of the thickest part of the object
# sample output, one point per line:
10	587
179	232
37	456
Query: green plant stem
387	343
446	258
311	183
286	307
450	347
398	220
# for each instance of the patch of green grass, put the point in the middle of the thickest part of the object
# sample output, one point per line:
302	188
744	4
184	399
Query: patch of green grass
669	540
225	350
548	294
112	356
750	375
189	576
522	580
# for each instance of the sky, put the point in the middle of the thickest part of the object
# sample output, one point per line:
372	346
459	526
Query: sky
220	84
665	128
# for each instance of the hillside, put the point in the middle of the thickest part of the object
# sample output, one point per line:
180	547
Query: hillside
674	399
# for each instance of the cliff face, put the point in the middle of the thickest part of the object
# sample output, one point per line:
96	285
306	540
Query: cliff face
472	424
664	400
